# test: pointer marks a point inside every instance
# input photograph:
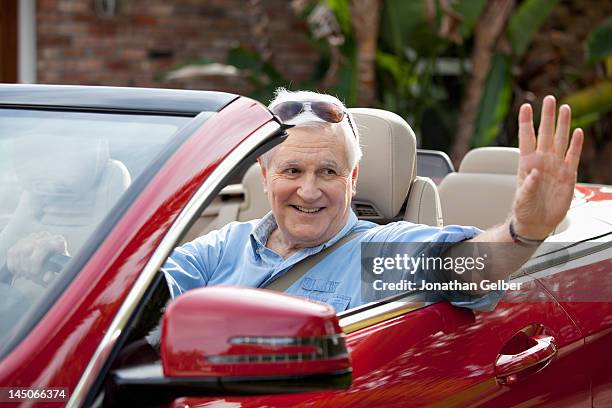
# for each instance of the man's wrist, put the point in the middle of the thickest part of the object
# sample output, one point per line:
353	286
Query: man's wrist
525	241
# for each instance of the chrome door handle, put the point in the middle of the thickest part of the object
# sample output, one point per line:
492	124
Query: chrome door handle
509	368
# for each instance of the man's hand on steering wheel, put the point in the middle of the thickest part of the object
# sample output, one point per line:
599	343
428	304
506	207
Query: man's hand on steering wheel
27	257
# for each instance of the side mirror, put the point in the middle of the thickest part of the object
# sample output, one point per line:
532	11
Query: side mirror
229	341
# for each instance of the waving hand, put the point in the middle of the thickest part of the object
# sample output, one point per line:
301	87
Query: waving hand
547	170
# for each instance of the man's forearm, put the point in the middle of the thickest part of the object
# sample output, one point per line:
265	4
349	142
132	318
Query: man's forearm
506	256
503	255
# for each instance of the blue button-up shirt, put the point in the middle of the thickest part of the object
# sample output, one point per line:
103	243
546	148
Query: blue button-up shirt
237	255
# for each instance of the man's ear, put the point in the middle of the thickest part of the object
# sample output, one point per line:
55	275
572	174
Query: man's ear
263	174
354	176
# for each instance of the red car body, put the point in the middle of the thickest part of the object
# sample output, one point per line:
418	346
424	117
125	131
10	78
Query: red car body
438	355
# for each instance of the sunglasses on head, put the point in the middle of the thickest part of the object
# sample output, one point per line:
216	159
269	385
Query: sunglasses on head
329	112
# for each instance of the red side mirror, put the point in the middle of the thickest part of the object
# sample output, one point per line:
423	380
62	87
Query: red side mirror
237	332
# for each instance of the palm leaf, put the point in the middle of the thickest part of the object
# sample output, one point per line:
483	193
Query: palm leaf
599	42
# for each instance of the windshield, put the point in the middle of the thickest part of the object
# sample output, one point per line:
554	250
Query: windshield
61	173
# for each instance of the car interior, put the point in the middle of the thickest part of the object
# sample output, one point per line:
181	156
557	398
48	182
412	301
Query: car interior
66	193
389	187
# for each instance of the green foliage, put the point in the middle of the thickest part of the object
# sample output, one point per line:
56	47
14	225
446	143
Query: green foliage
404	24
497	96
263	76
342	10
409	82
495	102
599	42
242	58
406	60
470	11
408	87
590	103
347	87
525	22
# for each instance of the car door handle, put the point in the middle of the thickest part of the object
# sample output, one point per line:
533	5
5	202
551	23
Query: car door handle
509	368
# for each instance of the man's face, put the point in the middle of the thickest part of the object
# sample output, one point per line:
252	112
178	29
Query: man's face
310	186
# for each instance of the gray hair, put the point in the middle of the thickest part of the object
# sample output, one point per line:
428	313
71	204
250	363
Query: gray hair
308	120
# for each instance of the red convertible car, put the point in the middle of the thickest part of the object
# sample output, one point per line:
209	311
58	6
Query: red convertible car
125	175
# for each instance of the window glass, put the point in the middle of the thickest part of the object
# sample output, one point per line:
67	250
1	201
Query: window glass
433	165
61	173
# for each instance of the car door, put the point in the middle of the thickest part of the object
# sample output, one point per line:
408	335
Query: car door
405	353
580	279
583	287
70	338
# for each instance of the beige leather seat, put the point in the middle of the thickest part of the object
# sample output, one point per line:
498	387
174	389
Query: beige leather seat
387	173
255	200
481	192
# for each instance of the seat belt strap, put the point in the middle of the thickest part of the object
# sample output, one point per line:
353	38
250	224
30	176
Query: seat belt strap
299	269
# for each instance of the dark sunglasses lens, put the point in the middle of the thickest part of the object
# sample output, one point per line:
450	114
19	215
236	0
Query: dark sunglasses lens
327	111
287	110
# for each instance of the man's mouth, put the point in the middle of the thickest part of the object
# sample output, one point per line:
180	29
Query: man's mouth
308	210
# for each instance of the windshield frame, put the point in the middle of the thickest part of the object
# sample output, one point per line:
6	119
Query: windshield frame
261	140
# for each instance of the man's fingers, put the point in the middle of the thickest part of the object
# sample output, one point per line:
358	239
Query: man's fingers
19	257
26	257
527	141
525	195
573	153
531	182
547	124
36	259
562	134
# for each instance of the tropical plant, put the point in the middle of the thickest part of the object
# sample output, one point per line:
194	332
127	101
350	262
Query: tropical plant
430	57
589	104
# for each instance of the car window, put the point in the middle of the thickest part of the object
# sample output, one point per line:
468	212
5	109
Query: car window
433	164
61	173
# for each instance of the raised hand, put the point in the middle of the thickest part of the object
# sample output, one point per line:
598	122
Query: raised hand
547	170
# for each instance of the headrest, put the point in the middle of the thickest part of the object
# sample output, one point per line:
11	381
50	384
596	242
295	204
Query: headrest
491	160
387	168
58	165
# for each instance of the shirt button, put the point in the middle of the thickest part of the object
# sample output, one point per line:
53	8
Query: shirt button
258	250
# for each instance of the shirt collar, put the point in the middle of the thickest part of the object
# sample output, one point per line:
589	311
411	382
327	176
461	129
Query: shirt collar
264	227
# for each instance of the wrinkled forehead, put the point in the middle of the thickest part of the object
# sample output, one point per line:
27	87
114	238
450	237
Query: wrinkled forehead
312	144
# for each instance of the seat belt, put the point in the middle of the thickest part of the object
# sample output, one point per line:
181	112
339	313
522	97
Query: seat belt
299	269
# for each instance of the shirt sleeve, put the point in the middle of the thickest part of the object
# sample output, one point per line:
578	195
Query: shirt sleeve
451	235
191	265
440	239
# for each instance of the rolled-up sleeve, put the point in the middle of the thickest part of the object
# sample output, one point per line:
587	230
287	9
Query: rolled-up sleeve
436	241
191	265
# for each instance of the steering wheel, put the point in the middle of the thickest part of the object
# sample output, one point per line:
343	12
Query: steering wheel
51	267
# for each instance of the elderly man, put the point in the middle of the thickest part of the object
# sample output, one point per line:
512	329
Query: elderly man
310	179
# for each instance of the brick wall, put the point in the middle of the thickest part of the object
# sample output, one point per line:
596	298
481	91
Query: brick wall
147	37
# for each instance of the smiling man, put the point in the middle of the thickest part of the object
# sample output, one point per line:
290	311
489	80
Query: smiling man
309	184
310	180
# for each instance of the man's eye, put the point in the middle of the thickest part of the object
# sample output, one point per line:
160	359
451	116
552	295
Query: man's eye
330	172
291	171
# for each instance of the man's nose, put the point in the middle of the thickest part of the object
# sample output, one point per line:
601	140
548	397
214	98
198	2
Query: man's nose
308	190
